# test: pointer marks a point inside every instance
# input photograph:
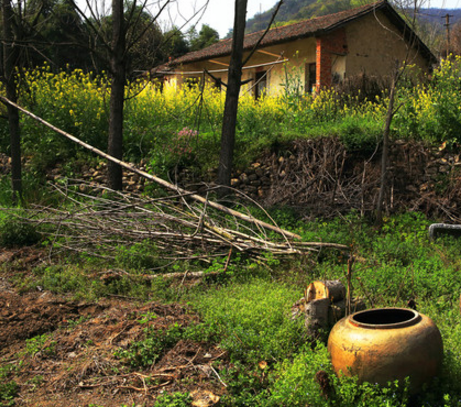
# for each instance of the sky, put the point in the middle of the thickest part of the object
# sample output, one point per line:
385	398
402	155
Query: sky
219	14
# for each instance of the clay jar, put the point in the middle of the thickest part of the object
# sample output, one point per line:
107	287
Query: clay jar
385	344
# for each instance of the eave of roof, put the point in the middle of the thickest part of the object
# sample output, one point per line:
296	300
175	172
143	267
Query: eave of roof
304	29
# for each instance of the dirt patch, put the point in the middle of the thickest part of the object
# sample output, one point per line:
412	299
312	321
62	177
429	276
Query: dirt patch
65	353
23	317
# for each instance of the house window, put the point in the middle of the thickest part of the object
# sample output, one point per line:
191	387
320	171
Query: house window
260	84
311	77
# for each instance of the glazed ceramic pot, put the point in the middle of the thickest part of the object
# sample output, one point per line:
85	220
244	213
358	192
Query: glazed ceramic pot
385	344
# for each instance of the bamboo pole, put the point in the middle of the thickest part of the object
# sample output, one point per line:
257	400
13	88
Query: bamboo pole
154	178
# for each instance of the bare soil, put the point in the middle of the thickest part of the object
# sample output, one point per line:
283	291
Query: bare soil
76	365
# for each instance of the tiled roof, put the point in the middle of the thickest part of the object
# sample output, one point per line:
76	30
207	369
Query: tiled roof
307	28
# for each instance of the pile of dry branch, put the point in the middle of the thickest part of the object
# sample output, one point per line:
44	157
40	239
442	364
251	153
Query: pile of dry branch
102	221
183	225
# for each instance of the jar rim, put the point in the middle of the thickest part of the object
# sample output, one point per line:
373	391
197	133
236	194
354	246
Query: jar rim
385	318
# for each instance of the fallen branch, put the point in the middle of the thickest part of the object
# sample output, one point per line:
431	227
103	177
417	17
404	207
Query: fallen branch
188	274
106	227
154	178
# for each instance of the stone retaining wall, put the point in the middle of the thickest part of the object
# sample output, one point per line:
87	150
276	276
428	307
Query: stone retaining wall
318	173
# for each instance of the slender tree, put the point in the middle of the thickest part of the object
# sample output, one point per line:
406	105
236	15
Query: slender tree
127	25
233	90
391	110
232	96
117	93
129	22
400	68
10	54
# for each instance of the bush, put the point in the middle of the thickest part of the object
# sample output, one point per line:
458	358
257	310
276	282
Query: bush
360	136
9	389
17	233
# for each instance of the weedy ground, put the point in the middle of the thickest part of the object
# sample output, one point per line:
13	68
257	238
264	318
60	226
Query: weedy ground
81	330
72	334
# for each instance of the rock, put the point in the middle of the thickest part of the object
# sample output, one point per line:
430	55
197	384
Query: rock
244	178
265	180
235	182
444	169
204	398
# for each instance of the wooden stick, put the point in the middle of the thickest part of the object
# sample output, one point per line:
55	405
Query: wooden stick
154	178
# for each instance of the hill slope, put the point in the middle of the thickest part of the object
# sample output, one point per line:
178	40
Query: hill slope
430	19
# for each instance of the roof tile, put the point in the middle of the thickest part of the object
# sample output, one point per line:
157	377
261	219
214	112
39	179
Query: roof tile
307	28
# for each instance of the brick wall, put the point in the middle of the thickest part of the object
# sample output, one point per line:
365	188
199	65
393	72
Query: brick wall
334	43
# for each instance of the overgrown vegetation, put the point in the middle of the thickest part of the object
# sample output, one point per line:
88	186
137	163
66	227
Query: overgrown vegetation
9	389
247	312
245	308
168	128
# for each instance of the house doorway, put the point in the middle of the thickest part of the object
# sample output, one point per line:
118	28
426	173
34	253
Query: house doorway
311	77
260	84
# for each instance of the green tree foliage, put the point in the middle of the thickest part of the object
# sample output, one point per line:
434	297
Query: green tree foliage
53	32
175	43
63	34
49	31
206	37
147	51
297	10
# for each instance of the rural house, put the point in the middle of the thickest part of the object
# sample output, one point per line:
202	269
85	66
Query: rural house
319	52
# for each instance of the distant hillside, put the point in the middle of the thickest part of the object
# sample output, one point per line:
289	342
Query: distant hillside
430	21
436	16
296	10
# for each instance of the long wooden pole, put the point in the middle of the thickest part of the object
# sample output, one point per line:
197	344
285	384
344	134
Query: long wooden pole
154	178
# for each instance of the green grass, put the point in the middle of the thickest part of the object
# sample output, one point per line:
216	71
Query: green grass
9	389
250	319
247	310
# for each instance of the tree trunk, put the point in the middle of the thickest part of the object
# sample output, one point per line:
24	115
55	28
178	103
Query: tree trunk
117	93
317	316
332	289
9	60
232	98
385	154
